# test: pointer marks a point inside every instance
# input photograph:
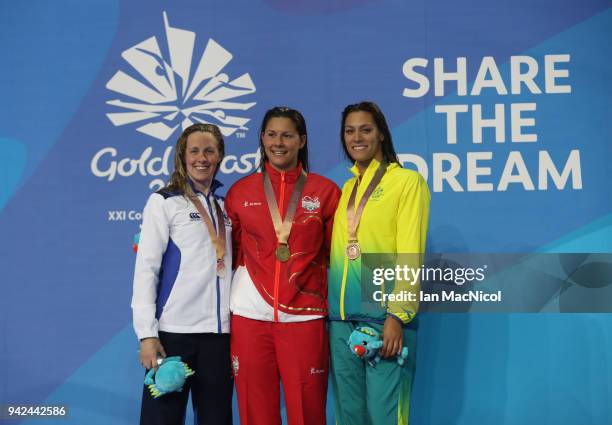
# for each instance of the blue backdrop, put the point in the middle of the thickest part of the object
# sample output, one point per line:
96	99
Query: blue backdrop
503	106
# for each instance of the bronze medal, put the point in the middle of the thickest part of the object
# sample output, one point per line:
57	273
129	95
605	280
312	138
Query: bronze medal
353	251
282	252
353	215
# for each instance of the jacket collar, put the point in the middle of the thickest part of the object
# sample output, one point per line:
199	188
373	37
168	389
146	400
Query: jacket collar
372	167
216	184
290	176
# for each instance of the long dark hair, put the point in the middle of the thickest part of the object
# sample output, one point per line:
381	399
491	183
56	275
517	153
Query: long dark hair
300	125
388	150
179	181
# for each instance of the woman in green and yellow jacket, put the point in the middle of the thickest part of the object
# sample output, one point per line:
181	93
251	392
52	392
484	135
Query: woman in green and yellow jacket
384	209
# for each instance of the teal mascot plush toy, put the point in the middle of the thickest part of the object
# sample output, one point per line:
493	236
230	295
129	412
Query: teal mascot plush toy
365	342
170	376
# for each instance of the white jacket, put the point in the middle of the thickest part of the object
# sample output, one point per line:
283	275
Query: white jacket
176	287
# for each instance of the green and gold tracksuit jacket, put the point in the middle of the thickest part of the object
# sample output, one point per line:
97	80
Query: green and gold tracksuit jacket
394	220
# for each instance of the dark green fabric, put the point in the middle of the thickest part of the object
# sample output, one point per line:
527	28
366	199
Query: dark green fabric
366	395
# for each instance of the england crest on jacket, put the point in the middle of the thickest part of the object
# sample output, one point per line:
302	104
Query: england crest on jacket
311	204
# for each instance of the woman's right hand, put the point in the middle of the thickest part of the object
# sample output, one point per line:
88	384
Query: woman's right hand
150	350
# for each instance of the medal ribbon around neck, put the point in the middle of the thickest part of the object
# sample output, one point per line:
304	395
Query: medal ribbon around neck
218	236
283	227
353	250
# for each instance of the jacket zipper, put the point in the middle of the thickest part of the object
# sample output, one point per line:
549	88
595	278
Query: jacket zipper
345	268
277	262
217	283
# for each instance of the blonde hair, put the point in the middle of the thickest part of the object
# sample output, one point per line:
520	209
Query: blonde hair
179	181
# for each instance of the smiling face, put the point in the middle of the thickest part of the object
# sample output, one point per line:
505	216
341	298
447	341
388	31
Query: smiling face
202	158
282	142
362	138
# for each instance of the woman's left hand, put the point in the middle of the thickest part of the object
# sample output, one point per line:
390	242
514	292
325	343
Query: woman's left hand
392	338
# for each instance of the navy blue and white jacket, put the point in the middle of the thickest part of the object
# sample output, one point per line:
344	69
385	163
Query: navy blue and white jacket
176	287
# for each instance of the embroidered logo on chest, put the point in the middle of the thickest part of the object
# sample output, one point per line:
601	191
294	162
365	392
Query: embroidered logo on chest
311	204
251	204
194	216
377	194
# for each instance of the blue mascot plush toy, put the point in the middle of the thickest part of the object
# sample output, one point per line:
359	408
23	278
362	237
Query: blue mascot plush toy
365	342
170	376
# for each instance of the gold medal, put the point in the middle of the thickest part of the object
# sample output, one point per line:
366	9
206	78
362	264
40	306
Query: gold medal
282	252
282	227
221	268
353	251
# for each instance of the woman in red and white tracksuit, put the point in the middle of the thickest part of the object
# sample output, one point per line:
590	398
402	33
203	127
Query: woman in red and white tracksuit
279	300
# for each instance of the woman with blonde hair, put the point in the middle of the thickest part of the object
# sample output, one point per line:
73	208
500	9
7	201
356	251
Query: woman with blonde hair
182	283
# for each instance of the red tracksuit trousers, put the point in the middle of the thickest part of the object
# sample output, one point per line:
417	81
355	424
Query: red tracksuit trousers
267	353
